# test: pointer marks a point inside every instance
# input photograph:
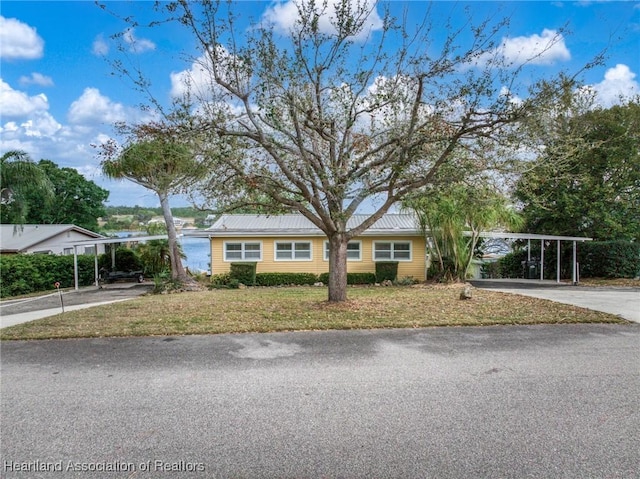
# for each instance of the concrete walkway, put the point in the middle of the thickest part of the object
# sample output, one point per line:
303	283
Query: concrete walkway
621	301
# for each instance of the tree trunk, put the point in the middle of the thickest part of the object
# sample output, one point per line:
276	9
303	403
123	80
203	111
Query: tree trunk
177	270
338	268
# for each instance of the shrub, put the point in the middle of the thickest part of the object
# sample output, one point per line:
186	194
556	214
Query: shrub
405	281
279	279
438	274
126	260
352	278
221	279
244	273
387	270
510	265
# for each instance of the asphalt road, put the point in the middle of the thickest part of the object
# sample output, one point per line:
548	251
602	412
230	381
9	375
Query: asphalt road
495	402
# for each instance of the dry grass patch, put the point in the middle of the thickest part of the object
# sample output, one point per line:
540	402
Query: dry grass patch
624	282
301	308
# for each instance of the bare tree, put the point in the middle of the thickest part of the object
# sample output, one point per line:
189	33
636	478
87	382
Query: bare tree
327	115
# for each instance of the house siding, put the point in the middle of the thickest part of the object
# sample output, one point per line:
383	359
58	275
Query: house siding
318	265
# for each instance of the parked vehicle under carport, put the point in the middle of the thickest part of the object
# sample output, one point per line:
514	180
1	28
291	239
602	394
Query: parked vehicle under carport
106	276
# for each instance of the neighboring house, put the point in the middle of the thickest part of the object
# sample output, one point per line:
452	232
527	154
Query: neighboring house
45	239
177	222
291	243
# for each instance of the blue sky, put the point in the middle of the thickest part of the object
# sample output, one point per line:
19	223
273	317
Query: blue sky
59	96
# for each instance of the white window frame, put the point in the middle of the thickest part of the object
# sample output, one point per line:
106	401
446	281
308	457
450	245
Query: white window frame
358	242
393	258
67	251
293	250
242	251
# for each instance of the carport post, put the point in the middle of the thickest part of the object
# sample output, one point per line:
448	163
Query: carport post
528	250
113	256
95	264
558	265
574	269
541	259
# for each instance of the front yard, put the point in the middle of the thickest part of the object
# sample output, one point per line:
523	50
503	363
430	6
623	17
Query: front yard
301	308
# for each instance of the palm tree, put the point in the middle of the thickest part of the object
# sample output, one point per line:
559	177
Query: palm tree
155	253
453	218
165	167
19	174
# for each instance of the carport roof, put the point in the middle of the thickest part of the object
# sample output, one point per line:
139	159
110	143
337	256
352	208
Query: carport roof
128	239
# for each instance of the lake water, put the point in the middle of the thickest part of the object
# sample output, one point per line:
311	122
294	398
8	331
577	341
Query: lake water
196	249
198	253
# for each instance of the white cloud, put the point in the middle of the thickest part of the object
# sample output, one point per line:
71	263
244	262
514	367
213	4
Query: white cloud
137	45
42	125
19	41
92	108
29	115
195	79
36	79
199	79
17	104
619	83
283	16
100	46
547	48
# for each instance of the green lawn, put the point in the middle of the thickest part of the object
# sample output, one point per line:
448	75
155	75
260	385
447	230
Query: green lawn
301	308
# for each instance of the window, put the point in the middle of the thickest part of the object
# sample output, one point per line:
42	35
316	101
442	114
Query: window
243	251
67	251
354	249
392	251
89	250
293	251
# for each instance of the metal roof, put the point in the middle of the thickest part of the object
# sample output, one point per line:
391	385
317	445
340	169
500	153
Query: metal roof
252	225
16	238
298	225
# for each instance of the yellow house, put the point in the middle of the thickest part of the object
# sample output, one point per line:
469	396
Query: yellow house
292	244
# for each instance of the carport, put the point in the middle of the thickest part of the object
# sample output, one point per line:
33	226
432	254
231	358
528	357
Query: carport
96	242
575	274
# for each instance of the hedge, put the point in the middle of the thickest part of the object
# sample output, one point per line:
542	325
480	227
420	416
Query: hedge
244	273
352	278
284	279
280	279
386	270
32	273
609	259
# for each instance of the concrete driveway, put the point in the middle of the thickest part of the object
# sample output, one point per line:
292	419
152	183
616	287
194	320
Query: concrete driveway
487	402
29	309
623	302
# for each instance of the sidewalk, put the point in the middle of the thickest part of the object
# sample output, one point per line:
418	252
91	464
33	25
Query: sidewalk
19	318
19	311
